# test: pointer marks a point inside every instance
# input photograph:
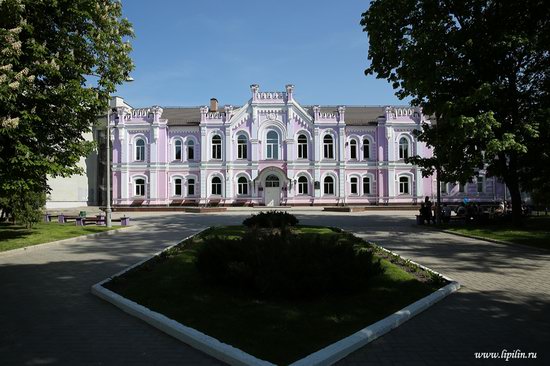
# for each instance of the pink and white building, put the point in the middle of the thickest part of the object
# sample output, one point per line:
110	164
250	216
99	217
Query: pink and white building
272	151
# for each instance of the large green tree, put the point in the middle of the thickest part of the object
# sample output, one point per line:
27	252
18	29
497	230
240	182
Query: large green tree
482	69
59	61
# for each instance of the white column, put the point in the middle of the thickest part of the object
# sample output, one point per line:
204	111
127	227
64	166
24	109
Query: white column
153	185
419	184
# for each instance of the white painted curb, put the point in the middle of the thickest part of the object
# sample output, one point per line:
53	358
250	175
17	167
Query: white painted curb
192	337
235	356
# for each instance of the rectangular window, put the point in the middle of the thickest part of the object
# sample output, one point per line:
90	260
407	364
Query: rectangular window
190	187
480	184
302	151
460	187
140	187
241	151
178	152
216	151
366	185
329	152
177	187
443	187
353	151
190	153
353	186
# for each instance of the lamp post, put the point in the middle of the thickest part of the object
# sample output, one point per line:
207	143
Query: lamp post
108	210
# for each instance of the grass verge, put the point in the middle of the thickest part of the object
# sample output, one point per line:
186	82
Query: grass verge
16	236
275	330
534	231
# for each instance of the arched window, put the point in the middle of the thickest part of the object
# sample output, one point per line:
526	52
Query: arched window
242	145
190	150
216	147
303	185
242	185
366	185
139	187
366	149
140	150
328	147
177	150
328	185
403	148
302	147
272	145
272	181
216	186
404	185
354	183
353	149
177	186
191	186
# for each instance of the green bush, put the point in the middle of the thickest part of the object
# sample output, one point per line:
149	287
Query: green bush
286	265
271	219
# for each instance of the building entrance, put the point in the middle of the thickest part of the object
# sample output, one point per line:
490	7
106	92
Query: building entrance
272	191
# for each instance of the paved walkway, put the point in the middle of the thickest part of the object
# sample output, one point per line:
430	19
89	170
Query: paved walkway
48	316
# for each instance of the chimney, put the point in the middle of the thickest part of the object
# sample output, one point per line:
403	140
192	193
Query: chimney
213	105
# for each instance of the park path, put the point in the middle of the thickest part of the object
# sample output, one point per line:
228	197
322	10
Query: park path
48	316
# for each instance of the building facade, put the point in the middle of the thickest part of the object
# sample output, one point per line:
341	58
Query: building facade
273	151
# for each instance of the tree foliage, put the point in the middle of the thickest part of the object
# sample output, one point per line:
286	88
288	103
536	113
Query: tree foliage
48	51
482	69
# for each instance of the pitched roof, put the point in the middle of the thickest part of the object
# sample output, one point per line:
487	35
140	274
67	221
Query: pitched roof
182	116
191	116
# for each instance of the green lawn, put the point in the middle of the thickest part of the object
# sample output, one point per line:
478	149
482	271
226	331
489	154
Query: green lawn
534	231
279	331
16	236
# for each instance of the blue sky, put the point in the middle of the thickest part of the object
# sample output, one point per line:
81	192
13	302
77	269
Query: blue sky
189	51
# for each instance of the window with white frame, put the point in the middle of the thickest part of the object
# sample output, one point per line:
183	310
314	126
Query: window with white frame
328	147
404	152
366	149
216	147
216	186
328	185
353	149
242	147
191	186
190	150
242	185
302	147
272	145
177	186
366	185
139	187
404	185
354	185
302	185
480	182
177	150
140	150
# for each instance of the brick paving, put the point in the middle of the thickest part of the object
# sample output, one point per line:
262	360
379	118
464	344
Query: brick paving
48	316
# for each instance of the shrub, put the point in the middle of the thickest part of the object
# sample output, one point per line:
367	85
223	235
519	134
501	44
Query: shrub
286	265
25	207
271	219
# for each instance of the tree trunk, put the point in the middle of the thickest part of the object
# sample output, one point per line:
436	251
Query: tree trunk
515	195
